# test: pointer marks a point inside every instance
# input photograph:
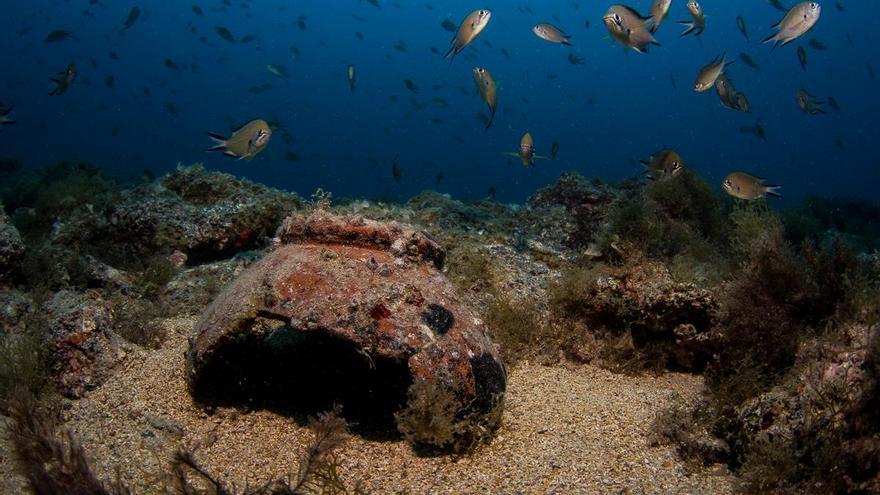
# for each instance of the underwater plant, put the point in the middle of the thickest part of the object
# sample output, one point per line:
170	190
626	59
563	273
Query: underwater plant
53	461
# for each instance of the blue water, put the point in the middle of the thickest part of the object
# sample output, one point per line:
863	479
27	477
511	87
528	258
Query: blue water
346	143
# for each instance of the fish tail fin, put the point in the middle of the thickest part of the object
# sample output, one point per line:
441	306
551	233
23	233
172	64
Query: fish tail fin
7	111
451	51
219	142
491	119
691	27
511	153
566	42
768	39
771	190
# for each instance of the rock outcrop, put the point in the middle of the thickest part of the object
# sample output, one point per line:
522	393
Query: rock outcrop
351	311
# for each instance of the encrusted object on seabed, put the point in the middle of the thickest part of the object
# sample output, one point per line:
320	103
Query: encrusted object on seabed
359	309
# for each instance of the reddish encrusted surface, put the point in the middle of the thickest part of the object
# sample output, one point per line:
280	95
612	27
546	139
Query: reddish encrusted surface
374	285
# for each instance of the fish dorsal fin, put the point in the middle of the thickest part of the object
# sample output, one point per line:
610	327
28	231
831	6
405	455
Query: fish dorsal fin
635	13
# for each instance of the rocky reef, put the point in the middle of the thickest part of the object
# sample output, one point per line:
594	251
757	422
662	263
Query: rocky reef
406	319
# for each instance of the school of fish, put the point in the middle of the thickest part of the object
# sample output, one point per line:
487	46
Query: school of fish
625	26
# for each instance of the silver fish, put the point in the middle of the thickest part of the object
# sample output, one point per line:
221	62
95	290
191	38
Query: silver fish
551	33
468	30
710	73
629	28
698	24
659	10
800	19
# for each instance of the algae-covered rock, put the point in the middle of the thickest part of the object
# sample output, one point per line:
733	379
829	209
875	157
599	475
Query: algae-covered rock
641	300
206	216
353	311
84	347
586	201
12	249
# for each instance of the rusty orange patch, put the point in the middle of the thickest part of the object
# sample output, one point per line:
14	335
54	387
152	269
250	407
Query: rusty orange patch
380	312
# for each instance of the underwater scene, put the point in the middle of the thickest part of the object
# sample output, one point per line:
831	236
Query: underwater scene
438	247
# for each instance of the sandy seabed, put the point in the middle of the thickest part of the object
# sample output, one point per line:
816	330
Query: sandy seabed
565	429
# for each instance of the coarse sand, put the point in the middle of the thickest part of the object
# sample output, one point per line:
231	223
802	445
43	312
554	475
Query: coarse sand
566	429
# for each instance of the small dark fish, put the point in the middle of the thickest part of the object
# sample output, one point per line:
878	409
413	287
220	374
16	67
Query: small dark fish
809	103
439	178
63	80
197	10
757	130
410	85
247	38
741	24
870	71
291	157
4	116
114	55
833	102
554	149
225	34
839	143
59	35
816	44
132	18
110	82
449	25
839	6
575	60
748	61
170	64
776	4
802	57
587	24
672	81
395	170
505	53
301	23
492	192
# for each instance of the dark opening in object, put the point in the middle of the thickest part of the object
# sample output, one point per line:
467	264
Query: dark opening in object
300	374
438	318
